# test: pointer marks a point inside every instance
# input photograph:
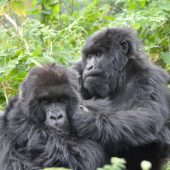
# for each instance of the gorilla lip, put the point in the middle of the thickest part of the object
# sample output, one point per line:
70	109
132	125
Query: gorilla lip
93	73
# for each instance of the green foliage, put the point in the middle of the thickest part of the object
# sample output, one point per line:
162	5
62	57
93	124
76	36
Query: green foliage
39	31
167	166
116	164
152	20
146	165
56	169
120	164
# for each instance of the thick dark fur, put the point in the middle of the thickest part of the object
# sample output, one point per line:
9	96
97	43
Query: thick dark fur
26	143
130	120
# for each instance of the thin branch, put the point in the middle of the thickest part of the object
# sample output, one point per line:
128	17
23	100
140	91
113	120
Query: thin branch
18	29
60	14
72	6
12	21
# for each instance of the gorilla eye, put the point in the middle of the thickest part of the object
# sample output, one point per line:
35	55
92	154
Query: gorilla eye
61	99
99	53
89	56
44	101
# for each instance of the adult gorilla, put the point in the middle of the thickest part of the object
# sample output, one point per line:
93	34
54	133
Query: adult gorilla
36	129
130	118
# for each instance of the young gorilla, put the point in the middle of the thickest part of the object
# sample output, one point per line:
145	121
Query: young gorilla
131	123
36	129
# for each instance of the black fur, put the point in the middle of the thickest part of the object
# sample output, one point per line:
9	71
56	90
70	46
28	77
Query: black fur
130	119
26	143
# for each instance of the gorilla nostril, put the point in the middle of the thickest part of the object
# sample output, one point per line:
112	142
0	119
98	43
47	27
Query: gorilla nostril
90	67
59	116
52	117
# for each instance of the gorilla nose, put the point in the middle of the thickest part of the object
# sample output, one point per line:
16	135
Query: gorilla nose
89	67
56	116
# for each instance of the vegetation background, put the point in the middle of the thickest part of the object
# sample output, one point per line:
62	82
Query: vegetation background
40	31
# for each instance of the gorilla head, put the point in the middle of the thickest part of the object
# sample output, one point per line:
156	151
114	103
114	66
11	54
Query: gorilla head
37	127
52	91
107	57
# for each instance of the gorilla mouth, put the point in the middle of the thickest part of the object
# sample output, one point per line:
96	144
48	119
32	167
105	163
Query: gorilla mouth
92	73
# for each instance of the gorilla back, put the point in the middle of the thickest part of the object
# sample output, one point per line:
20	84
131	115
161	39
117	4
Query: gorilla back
36	129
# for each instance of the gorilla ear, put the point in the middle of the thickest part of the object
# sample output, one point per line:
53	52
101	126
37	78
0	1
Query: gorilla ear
124	47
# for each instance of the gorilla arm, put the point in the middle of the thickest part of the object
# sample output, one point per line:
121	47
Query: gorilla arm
136	123
135	127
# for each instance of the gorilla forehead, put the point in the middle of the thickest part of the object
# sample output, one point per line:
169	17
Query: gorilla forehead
48	75
53	91
98	40
106	38
51	75
50	79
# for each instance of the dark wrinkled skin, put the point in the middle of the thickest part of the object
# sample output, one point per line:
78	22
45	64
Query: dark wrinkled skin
129	108
30	140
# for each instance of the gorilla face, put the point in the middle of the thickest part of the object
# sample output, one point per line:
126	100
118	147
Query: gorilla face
94	77
92	68
105	56
51	100
55	111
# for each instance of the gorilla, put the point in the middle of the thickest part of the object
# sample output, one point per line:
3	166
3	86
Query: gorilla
127	107
36	129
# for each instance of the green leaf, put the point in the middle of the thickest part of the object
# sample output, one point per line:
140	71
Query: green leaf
18	7
47	12
56	169
165	57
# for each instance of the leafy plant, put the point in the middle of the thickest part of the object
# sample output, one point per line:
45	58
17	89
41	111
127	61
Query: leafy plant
116	164
39	31
56	169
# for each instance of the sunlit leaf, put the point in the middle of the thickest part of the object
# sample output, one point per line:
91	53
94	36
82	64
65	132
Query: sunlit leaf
18	7
165	57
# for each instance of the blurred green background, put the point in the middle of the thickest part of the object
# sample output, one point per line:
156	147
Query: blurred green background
38	31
